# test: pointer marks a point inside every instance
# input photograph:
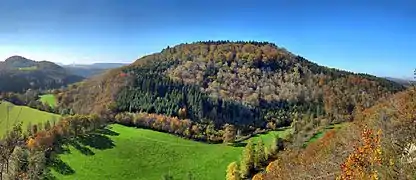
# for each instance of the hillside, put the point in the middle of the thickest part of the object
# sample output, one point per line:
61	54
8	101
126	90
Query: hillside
130	153
379	142
17	74
248	84
22	114
404	82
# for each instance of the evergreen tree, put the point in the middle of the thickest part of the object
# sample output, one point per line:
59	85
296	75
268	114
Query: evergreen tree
233	172
247	161
260	156
266	153
274	146
36	165
16	162
47	125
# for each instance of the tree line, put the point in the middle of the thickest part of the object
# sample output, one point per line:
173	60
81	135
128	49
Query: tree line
27	154
254	158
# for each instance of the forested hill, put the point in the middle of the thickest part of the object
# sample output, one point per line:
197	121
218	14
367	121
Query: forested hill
243	83
17	74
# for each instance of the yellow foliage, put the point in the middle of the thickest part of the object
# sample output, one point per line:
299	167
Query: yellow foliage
31	143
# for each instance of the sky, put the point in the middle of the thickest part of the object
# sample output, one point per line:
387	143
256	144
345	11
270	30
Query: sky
374	36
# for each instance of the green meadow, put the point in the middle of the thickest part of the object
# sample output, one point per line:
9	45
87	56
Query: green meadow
49	99
121	152
11	114
31	68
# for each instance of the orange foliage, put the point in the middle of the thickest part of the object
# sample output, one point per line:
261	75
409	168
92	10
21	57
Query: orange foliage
362	163
258	176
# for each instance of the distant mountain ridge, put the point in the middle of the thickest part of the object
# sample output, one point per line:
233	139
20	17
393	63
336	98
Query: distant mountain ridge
17	74
404	82
88	70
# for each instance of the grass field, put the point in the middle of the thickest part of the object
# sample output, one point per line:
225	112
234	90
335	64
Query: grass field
129	153
48	99
32	68
22	114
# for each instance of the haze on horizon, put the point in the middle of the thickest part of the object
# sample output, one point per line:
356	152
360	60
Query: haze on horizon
376	37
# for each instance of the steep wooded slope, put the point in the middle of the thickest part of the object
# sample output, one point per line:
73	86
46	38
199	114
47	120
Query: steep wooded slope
18	74
378	143
242	83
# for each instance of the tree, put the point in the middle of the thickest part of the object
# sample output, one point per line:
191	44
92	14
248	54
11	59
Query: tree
266	152
260	156
233	172
47	125
3	158
366	158
17	160
274	146
36	164
247	161
229	133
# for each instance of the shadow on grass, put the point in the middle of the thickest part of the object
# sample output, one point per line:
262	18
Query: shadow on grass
107	131
81	148
98	139
61	167
239	144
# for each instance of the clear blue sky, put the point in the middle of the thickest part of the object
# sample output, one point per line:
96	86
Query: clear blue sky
375	36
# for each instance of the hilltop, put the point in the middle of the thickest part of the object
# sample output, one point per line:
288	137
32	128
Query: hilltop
248	84
17	74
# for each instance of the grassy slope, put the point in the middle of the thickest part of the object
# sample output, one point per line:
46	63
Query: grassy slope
320	134
21	114
145	154
48	99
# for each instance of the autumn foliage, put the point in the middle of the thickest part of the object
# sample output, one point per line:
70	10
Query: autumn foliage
366	158
374	146
67	127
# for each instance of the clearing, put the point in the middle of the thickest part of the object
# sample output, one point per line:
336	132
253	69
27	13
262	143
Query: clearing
49	99
24	114
31	68
121	152
321	133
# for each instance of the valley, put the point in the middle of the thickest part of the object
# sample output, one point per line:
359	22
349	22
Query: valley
204	110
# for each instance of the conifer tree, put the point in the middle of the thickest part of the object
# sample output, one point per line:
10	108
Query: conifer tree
233	172
260	156
36	164
17	160
247	161
274	146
